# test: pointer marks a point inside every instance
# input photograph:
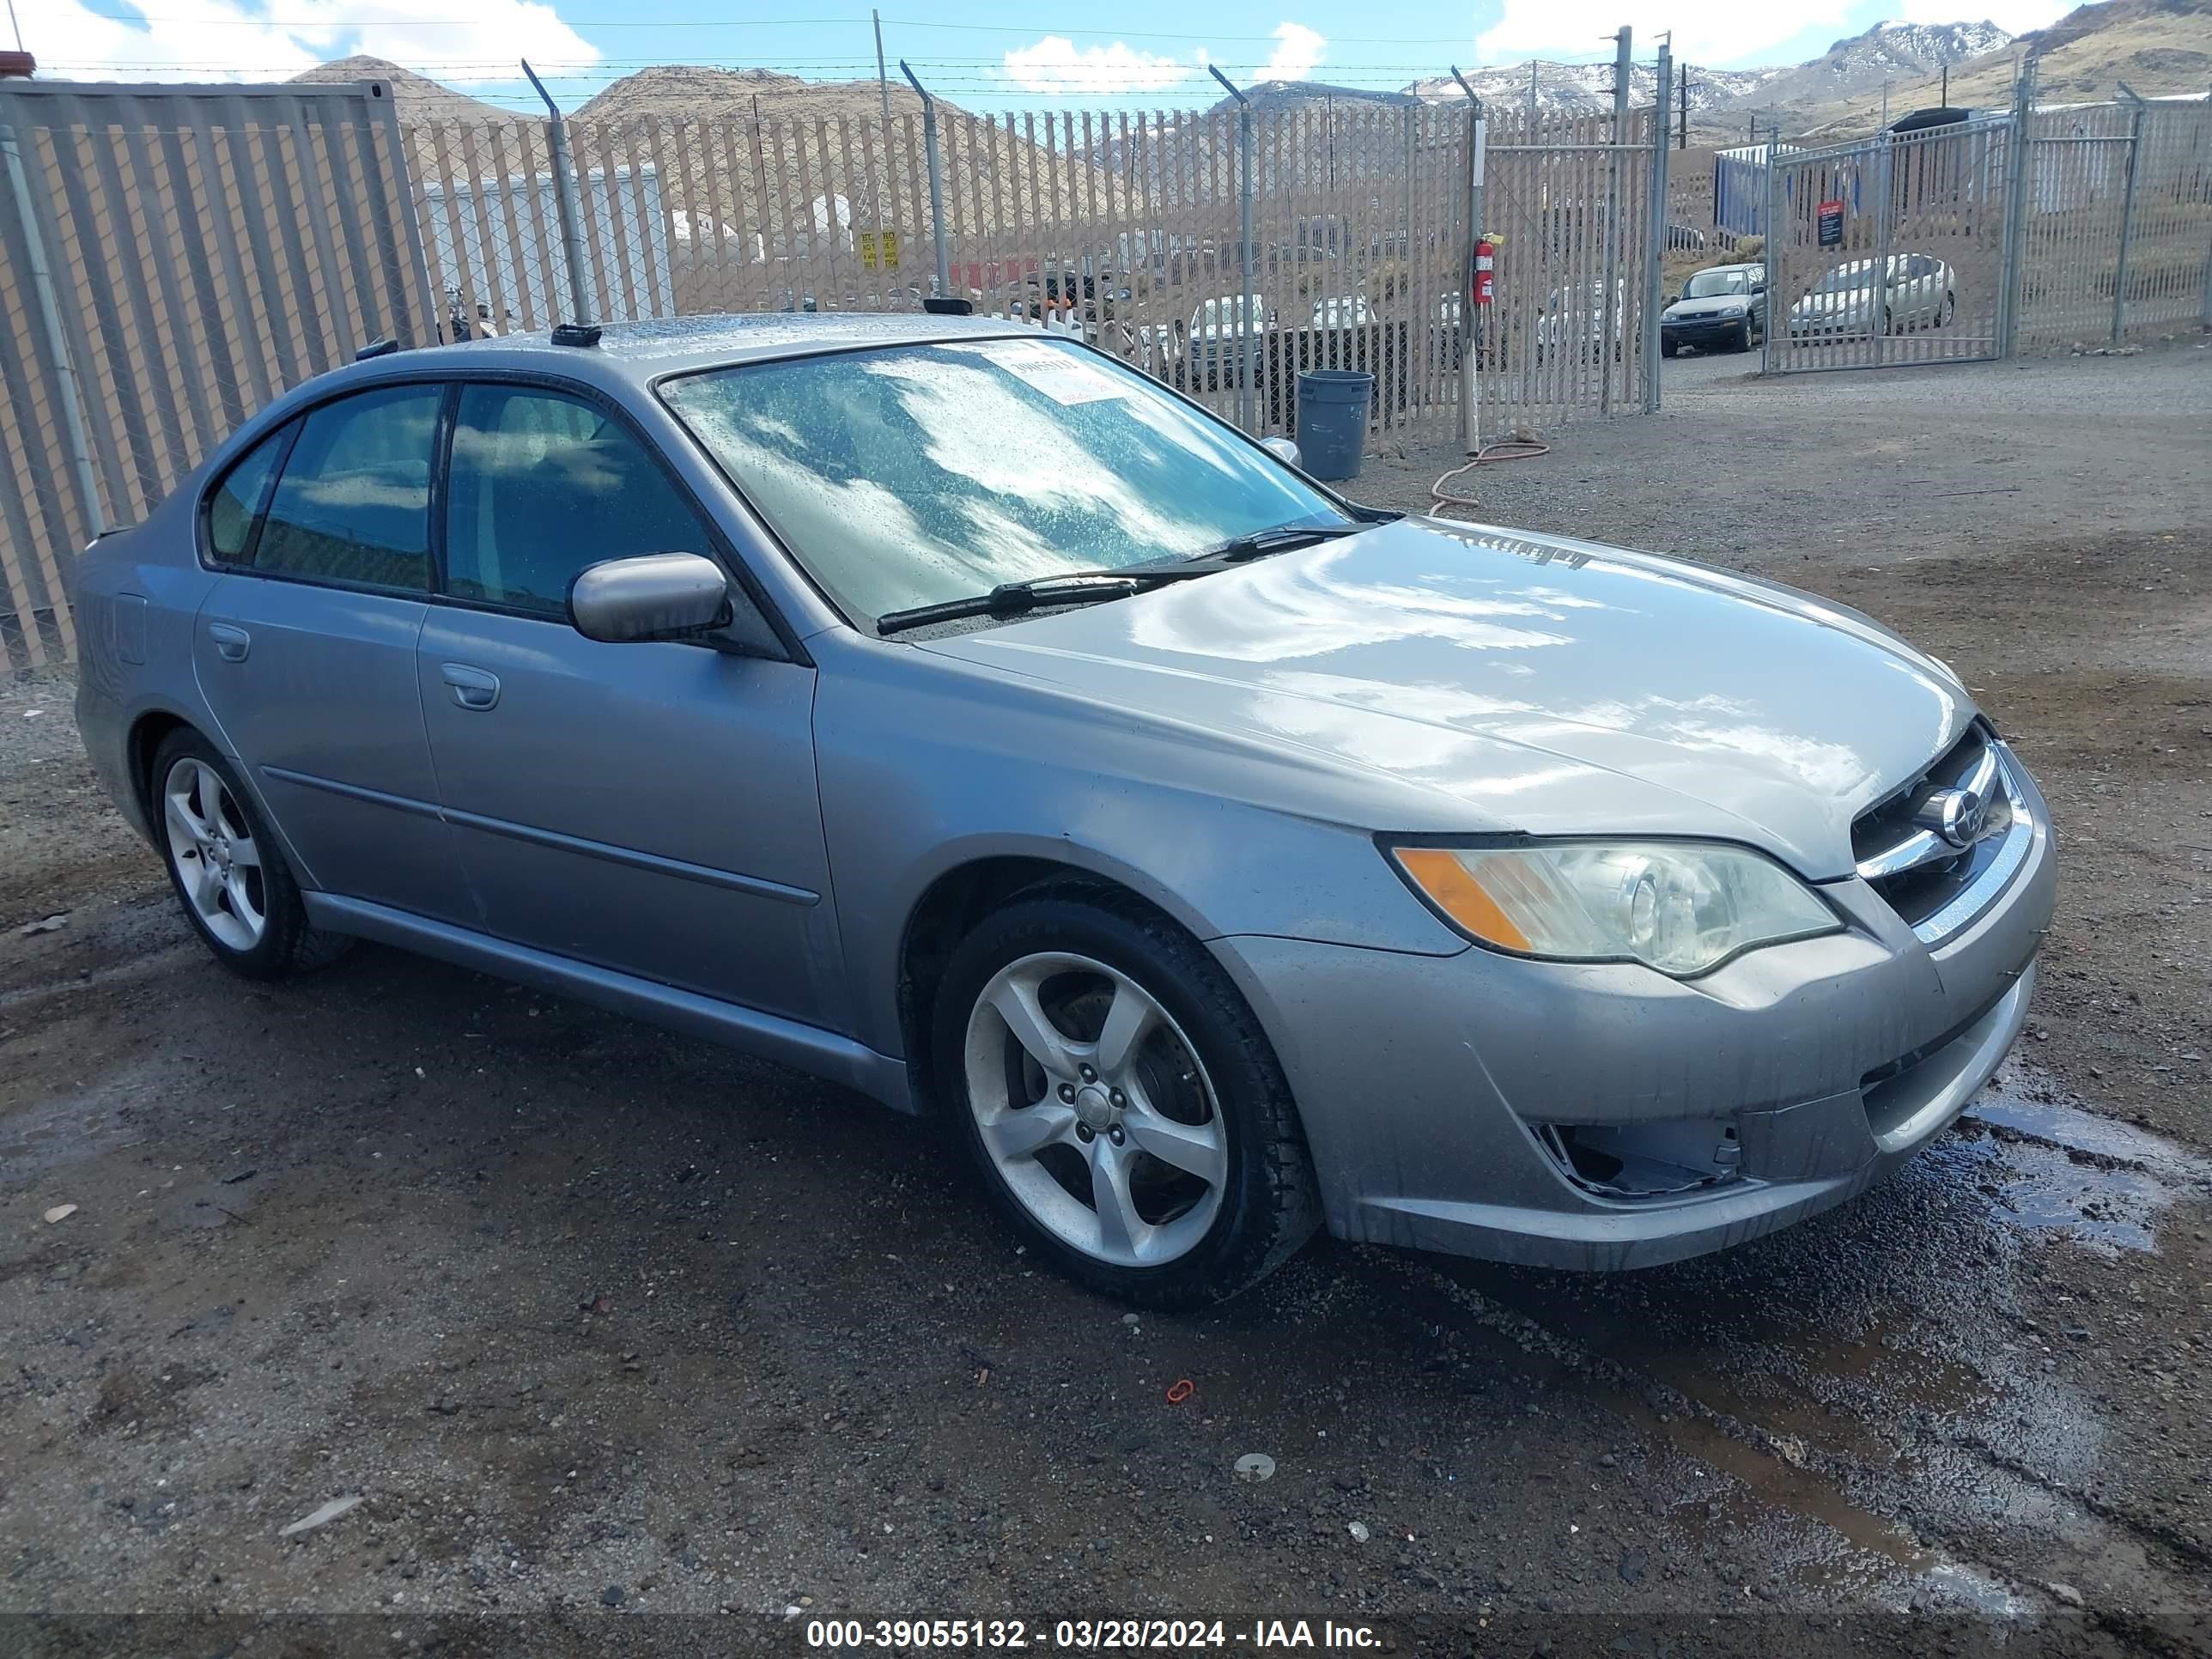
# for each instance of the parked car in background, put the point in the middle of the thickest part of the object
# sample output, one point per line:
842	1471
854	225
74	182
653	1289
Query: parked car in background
1210	348
1854	300
1722	309
947	709
1342	311
1575	320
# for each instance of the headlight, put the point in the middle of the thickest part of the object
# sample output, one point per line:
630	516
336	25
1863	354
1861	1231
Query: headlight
1682	908
1733	308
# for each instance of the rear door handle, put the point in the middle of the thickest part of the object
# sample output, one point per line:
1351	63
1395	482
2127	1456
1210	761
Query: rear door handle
231	643
471	688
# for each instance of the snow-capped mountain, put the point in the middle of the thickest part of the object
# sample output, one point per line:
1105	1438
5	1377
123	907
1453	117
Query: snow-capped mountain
1585	88
1897	52
1893	51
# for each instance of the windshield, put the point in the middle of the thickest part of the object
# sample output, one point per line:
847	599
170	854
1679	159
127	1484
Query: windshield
1843	278
1223	313
912	475
1707	283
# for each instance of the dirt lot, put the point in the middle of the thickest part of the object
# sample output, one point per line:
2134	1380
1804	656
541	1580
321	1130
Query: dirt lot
599	1323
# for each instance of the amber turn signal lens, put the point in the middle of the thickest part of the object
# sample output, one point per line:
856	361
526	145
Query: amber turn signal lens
1456	892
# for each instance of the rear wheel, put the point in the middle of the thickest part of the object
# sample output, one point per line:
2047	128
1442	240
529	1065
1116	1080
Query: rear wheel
236	890
1947	310
1119	1101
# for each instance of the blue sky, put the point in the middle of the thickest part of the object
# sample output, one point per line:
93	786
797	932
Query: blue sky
986	56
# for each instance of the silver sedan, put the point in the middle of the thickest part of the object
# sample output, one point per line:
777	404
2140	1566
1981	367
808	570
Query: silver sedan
957	714
1852	300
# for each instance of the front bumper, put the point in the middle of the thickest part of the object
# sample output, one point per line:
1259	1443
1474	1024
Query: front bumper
1703	333
1424	1083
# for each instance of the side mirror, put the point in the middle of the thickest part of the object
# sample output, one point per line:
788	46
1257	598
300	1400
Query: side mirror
1282	449
654	596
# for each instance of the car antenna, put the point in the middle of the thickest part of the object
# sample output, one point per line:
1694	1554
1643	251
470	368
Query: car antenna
580	331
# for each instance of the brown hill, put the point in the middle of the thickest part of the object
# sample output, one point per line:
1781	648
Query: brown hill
419	97
692	92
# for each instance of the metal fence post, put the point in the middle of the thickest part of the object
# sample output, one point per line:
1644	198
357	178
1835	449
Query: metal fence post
1609	339
1244	240
936	181
2127	214
1767	256
1656	238
2022	146
1470	327
564	204
57	342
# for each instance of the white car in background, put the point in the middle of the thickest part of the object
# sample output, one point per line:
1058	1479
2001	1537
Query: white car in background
1851	301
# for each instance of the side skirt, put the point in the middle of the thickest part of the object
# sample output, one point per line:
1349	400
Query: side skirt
787	1041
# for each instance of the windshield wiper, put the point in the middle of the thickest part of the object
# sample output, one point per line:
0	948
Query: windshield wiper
1018	599
1093	586
1258	544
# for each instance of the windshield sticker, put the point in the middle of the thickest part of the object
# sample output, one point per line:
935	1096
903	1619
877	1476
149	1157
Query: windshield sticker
1062	376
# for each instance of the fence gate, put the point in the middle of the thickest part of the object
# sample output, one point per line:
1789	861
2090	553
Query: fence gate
1891	250
176	256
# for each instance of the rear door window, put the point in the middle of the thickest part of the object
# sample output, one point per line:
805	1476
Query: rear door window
353	506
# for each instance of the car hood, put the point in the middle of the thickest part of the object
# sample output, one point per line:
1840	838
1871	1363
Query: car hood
1482	679
1691	310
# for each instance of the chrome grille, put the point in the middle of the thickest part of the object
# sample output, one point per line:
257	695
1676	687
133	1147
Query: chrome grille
1940	849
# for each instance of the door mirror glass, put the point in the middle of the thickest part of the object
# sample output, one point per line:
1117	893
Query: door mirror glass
1282	449
654	596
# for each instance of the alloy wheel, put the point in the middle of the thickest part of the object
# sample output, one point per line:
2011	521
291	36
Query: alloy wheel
1095	1110
212	848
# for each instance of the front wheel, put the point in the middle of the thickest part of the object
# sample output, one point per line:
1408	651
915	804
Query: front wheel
1743	335
1667	348
1119	1101
231	877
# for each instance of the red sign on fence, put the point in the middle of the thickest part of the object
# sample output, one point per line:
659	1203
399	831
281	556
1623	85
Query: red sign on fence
1832	223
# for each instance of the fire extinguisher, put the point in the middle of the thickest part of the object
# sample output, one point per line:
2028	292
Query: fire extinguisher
1486	260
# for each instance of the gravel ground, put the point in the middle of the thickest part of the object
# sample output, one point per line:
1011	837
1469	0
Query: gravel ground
627	1344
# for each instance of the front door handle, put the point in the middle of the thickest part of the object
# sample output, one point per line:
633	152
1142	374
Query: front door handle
231	643
471	688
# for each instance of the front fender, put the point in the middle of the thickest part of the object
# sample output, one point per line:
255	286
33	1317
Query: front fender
926	765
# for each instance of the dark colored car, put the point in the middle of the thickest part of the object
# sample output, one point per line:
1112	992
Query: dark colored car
1722	308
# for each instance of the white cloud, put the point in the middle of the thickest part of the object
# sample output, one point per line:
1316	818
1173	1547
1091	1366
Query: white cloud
1298	53
231	40
1720	33
1057	67
2013	16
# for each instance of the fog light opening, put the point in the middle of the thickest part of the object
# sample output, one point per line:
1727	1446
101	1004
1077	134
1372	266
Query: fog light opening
1644	1160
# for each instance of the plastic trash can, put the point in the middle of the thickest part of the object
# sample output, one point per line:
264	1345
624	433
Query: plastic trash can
1331	430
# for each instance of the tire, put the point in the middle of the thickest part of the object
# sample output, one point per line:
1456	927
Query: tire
1668	347
1888	322
1053	1145
228	871
1743	335
1947	310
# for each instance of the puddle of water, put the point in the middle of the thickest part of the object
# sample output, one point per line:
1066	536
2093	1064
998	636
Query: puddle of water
2054	1166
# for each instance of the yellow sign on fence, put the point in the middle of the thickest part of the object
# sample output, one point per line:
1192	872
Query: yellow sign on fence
879	248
